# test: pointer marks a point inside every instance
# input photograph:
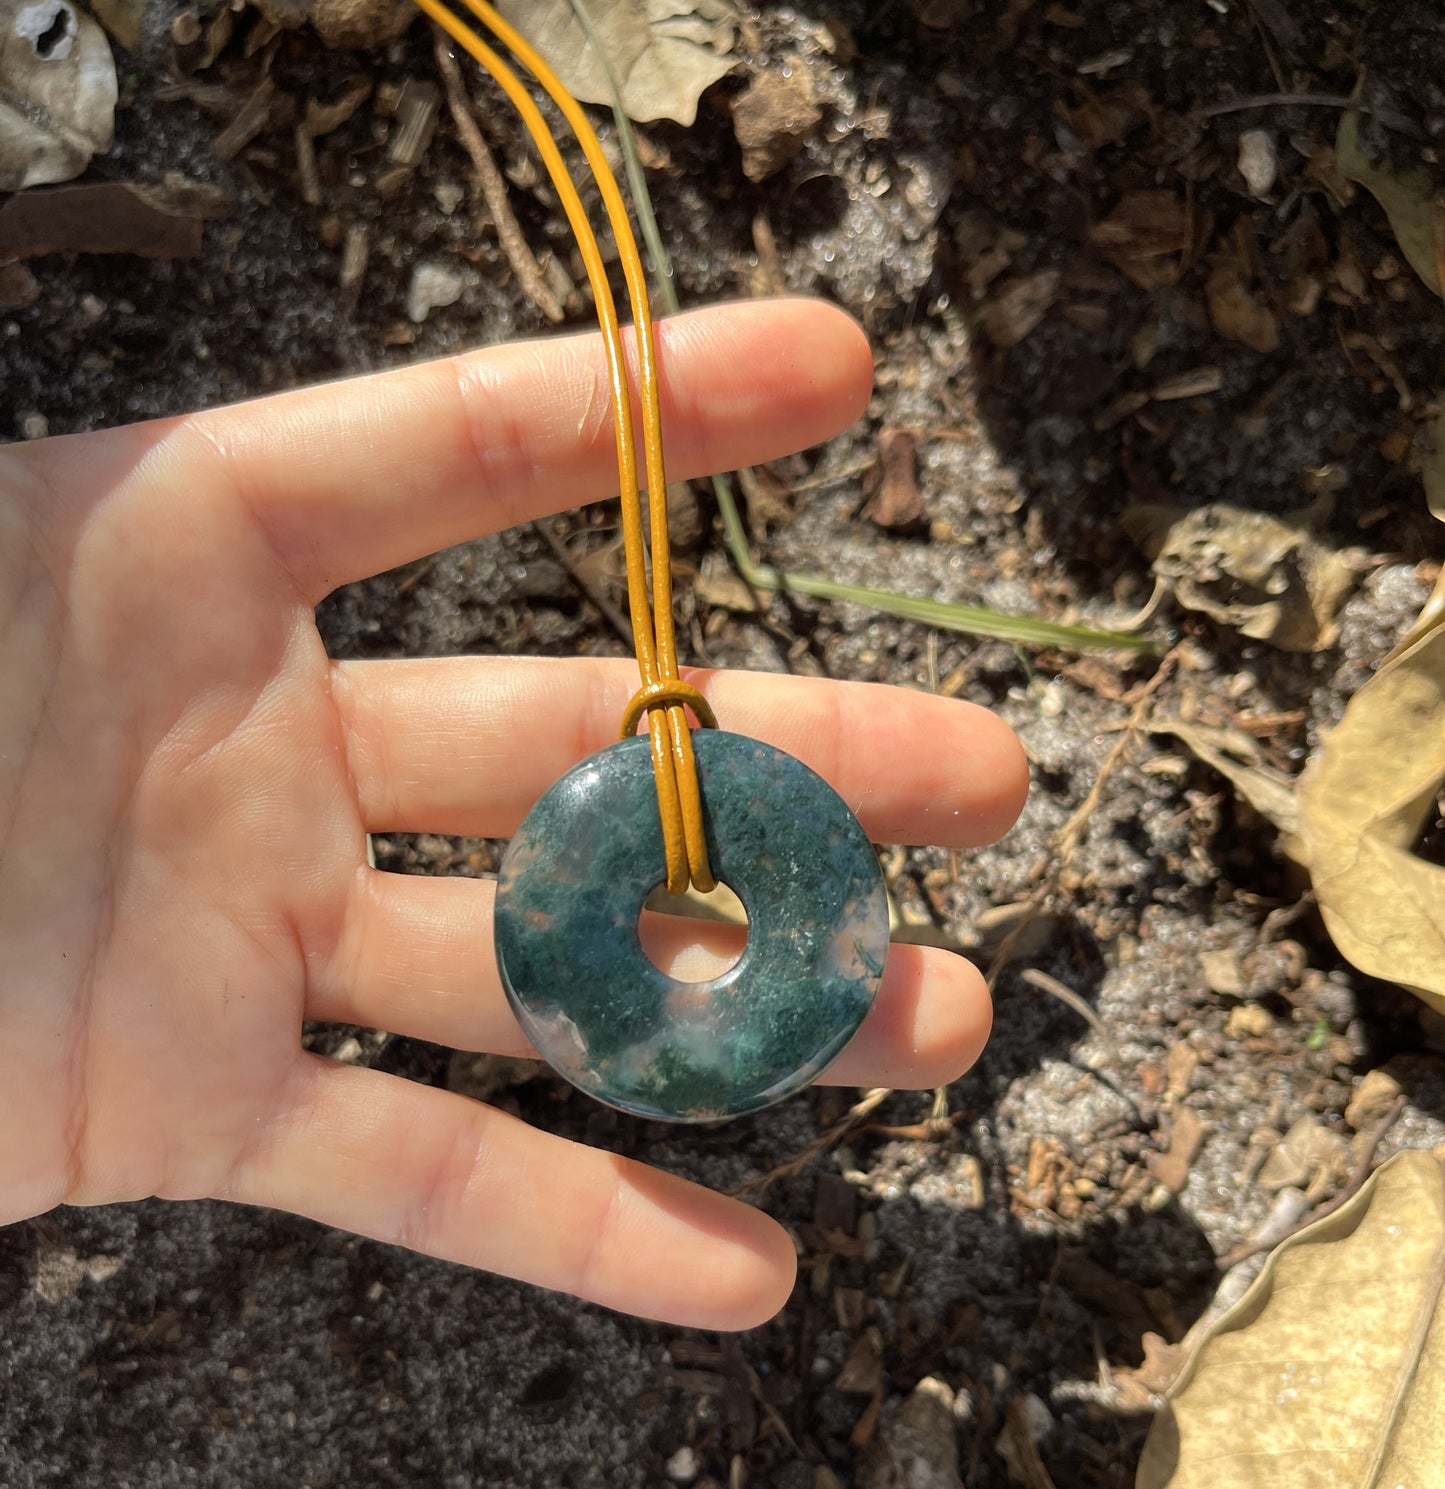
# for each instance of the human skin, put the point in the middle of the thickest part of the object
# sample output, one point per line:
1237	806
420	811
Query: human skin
187	782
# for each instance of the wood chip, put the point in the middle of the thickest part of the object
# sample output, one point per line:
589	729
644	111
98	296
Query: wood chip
416	121
1199	382
897	503
252	117
1236	314
1186	1137
109	217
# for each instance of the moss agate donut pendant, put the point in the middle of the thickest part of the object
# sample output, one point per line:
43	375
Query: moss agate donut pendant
573	885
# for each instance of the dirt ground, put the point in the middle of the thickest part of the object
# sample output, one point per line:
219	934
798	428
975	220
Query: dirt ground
1080	305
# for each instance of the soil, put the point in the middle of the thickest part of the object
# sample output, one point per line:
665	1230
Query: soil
1018	1237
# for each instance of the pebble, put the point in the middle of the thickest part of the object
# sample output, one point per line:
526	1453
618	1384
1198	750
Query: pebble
916	1447
682	1466
432	287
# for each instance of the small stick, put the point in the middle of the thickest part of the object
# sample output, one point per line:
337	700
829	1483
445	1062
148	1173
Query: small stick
614	617
493	187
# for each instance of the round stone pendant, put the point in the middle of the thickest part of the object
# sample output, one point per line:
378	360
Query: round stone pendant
572	888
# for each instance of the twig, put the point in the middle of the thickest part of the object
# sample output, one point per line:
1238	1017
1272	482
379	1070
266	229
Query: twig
823	1143
1066	995
492	186
1070	835
1388	117
594	592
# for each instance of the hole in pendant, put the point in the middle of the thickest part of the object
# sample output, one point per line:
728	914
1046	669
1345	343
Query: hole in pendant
693	937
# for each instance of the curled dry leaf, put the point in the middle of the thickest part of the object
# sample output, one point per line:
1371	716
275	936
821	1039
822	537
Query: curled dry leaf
1019	305
664	53
1331	1369
1363	801
1145	237
1417	217
771	119
57	92
1267	577
1237	314
1239	759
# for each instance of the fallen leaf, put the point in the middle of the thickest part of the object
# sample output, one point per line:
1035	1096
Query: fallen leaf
772	117
1417	216
1145	236
57	92
1363	800
1019	305
1237	315
121	19
1328	1371
1432	466
1238	758
1267	577
664	53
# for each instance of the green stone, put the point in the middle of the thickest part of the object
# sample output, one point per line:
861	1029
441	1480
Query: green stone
573	885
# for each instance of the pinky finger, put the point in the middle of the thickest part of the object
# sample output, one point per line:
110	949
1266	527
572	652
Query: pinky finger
435	1172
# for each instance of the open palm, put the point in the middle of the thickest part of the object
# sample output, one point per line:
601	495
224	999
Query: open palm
187	781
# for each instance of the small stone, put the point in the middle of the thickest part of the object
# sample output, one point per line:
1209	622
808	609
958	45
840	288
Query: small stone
449	195
1248	1021
1222	972
682	1466
433	286
1258	161
1374	1096
576	877
18	287
33	425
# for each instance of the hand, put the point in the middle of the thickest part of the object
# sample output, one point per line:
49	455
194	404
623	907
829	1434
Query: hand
186	785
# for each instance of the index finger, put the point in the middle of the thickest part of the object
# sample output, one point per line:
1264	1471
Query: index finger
351	478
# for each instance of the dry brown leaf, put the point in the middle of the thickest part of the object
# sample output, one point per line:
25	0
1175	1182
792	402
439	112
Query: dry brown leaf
1417	217
1238	758
57	92
1145	236
1432	466
1363	800
664	53
1267	577
1329	1370
1237	315
771	119
1019	305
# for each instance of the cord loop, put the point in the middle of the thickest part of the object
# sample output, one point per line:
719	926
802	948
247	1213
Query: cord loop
663	695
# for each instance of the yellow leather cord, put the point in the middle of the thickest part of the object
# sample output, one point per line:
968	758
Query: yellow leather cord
663	696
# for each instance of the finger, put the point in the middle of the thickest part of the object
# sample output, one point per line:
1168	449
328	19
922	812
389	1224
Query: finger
416	957
466	745
352	478
432	1171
